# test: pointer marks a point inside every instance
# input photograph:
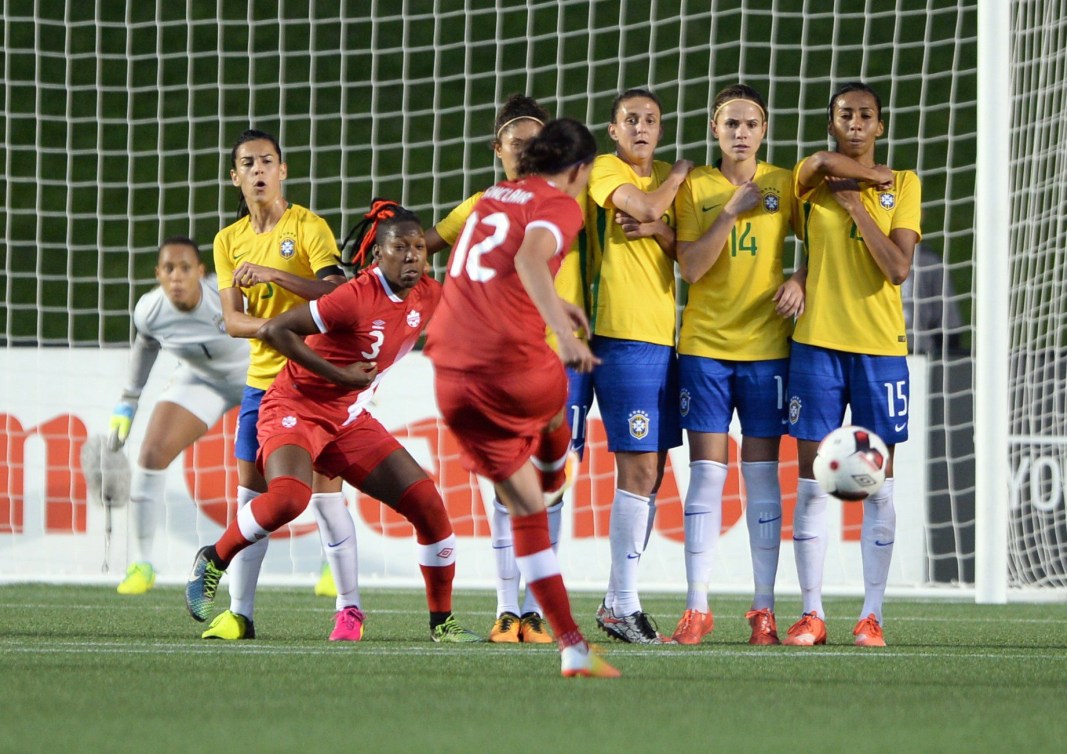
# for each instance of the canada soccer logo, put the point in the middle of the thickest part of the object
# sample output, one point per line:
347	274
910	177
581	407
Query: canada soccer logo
887	200
771	202
289	422
288	248
639	422
414	318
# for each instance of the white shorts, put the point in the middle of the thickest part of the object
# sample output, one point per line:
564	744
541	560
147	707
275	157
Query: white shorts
204	400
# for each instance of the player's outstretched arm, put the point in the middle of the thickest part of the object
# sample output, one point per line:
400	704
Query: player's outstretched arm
286	332
142	358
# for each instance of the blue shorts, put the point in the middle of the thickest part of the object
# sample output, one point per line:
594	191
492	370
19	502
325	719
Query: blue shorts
579	400
246	444
822	382
711	389
637	388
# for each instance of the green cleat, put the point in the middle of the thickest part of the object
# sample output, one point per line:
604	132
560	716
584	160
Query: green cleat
450	632
326	586
140	577
202	584
230	626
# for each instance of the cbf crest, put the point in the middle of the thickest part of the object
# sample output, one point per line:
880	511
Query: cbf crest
683	402
771	201
794	410
887	200
288	248
639	423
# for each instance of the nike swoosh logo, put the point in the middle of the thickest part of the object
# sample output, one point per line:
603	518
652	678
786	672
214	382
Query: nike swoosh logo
698	513
238	256
711	207
880	543
502	547
763	520
631	556
338	544
803	539
899	427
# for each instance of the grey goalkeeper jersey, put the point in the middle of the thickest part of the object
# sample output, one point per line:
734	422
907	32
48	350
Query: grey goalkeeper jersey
198	338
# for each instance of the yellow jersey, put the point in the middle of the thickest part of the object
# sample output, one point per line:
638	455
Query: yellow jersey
300	244
730	312
633	288
849	305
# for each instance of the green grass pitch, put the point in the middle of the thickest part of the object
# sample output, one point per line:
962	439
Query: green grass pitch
84	670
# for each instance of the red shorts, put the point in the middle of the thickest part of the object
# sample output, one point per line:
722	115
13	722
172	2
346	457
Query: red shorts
350	451
498	418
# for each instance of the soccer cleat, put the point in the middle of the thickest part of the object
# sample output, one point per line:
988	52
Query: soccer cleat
693	627
806	632
505	630
764	627
140	577
325	586
533	629
202	584
582	661
450	632
868	633
230	626
348	625
635	628
570	473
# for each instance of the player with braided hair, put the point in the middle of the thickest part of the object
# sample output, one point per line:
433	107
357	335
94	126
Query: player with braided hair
314	416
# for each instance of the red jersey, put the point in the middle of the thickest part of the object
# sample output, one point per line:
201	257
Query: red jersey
362	320
486	318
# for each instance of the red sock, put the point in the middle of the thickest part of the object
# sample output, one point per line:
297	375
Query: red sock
421	504
552	452
541	569
285	499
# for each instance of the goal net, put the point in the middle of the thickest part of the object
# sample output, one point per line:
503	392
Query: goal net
118	120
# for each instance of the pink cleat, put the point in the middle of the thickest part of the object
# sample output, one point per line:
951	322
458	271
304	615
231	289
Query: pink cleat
348	625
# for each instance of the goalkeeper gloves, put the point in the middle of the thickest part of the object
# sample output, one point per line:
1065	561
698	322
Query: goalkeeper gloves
121	419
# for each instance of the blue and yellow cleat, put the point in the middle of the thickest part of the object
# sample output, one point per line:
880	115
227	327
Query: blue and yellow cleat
230	626
140	577
202	585
450	632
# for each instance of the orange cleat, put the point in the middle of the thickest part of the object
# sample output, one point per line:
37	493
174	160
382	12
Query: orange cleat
693	626
868	633
582	661
534	630
764	627
505	630
807	631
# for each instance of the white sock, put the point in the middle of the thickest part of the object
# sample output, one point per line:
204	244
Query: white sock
338	534
507	571
811	531
626	535
876	547
703	522
243	573
555	521
147	488
763	515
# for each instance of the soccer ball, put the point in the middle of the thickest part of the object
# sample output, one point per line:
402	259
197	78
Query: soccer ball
850	463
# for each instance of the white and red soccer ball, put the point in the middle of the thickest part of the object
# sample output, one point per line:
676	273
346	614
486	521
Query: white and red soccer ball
851	462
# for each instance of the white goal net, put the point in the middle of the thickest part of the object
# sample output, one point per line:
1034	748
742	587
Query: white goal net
117	123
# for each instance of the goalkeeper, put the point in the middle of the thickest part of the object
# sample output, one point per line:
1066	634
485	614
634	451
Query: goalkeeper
184	317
